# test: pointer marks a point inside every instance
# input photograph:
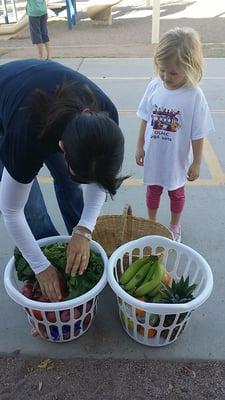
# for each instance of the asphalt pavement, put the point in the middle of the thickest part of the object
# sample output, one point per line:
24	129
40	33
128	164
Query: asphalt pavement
105	362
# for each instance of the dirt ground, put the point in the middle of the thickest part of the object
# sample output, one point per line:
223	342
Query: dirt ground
97	379
128	36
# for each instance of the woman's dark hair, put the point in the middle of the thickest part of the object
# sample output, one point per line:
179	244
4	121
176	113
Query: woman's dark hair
93	142
94	149
51	112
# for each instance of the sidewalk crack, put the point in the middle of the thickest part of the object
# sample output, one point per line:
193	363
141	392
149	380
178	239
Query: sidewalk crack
80	64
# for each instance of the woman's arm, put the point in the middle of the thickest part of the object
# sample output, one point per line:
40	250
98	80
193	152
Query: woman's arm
78	249
94	199
13	197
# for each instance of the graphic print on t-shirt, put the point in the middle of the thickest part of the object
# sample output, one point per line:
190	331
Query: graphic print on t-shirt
164	119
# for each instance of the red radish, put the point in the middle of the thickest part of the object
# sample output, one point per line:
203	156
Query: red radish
86	321
38	296
89	305
77	312
37	315
42	330
50	315
27	290
65	315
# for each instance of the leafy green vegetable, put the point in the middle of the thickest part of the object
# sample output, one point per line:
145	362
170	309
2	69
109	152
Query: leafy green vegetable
24	272
81	284
56	254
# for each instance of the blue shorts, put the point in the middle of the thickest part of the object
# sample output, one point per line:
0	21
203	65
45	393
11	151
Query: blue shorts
39	29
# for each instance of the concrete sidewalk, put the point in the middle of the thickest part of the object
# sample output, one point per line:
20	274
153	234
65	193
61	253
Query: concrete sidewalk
203	229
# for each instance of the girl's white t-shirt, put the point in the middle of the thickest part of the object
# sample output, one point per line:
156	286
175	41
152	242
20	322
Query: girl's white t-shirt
174	118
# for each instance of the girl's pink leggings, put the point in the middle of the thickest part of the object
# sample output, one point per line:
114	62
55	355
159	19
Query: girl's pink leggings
177	198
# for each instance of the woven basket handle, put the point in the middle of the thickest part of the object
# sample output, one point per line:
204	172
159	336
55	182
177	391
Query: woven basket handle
127	211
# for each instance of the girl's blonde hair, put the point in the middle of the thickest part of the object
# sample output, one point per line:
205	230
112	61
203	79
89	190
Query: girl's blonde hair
183	45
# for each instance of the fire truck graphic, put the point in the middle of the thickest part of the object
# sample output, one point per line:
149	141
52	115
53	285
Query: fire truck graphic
164	119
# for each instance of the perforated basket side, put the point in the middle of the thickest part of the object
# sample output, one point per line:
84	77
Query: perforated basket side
59	321
171	248
136	316
63	325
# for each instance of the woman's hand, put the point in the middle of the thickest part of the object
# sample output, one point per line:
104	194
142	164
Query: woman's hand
78	253
140	155
193	172
49	281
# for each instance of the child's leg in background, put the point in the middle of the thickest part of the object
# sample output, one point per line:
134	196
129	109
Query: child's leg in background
177	200
48	53
44	34
153	194
40	49
35	33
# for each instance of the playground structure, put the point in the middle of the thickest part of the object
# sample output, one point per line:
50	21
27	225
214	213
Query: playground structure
71	10
11	28
5	5
101	10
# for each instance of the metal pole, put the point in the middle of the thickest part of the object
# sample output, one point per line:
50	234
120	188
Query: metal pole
14	9
71	18
5	12
155	21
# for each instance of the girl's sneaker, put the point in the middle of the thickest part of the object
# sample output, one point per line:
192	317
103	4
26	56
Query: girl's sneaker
176	230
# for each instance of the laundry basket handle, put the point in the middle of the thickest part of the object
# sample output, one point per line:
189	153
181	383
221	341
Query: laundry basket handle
127	211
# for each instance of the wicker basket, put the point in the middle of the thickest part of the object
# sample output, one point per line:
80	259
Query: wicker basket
112	231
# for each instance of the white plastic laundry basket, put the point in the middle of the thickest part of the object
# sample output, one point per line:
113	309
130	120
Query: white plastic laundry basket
59	321
157	324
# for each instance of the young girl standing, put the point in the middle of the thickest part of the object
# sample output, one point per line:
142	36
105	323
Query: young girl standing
175	119
38	16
